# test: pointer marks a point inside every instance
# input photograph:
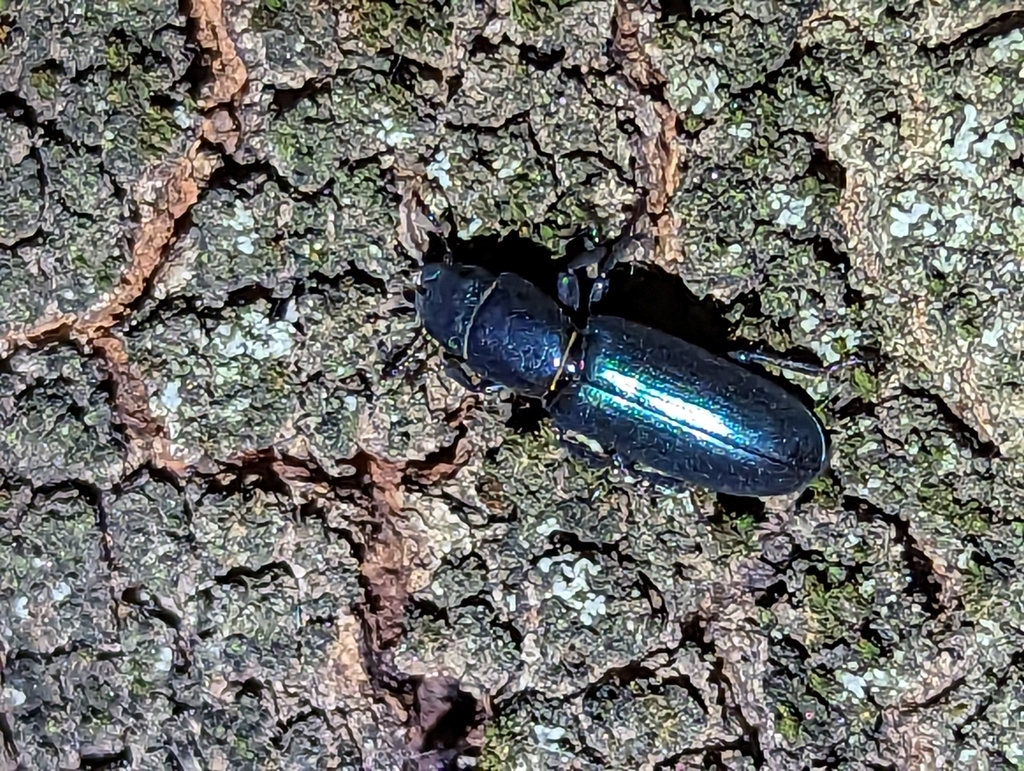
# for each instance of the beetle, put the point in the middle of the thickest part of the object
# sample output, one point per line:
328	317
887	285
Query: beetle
660	405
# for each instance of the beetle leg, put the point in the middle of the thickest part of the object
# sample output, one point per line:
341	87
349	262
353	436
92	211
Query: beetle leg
568	281
644	479
802	367
569	290
396	366
597	263
613	258
457	371
779	360
439	234
591	455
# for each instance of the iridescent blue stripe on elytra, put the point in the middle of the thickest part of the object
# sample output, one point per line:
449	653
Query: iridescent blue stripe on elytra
665	403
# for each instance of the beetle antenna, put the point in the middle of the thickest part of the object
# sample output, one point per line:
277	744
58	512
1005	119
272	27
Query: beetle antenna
397	366
439	233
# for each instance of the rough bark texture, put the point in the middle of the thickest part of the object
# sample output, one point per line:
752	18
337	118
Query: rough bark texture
232	537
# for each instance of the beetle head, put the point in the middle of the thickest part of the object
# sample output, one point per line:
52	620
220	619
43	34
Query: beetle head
447	299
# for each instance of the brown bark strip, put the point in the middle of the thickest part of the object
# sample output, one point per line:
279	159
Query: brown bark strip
42	333
659	147
229	71
177	191
166	194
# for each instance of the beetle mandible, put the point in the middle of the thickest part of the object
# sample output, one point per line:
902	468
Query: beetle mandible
657	403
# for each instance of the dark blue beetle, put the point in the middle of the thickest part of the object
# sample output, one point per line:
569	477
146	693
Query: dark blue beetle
659	404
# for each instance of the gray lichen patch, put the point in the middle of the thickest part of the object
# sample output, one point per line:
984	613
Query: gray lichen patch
573	30
61	235
65	672
53	562
338	524
357	115
285	564
272	30
547	145
96	99
20	193
535	585
644	720
938	261
399	422
263	591
514	141
631	718
274	240
76	41
154	601
106	77
223	386
723	49
758	189
297	374
56	424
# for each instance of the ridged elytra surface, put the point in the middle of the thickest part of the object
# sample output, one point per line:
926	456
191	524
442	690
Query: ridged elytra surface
671	407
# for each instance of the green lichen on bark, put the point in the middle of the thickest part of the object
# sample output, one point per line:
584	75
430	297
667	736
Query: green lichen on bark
93	97
331	526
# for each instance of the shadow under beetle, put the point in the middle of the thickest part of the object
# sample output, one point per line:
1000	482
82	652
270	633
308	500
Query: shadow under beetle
658	404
